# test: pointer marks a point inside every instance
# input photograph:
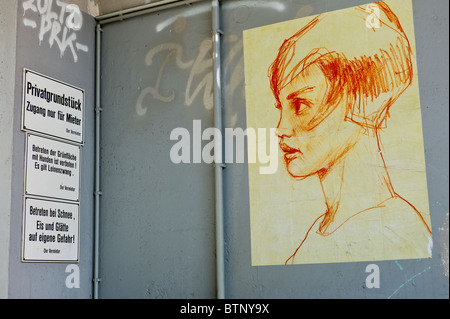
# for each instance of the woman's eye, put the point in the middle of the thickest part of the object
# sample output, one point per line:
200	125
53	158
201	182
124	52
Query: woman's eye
300	106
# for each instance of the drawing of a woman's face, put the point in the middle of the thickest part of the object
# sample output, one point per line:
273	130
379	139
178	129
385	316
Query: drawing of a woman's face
312	134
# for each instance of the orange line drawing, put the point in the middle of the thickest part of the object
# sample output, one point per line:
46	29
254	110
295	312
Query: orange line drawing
333	107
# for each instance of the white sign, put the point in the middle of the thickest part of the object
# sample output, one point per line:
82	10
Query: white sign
50	231
52	168
52	107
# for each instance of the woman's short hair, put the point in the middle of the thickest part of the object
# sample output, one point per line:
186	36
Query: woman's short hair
370	80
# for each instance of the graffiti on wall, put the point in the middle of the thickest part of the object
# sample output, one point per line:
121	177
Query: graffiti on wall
198	70
200	67
57	23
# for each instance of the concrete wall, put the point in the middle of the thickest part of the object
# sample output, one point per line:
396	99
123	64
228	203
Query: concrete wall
54	58
7	67
99	7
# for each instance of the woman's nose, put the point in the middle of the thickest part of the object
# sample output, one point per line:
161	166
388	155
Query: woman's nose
285	127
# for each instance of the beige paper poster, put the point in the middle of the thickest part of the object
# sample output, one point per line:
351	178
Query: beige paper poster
341	89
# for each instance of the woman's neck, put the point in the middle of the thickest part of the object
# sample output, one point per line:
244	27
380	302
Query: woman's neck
359	181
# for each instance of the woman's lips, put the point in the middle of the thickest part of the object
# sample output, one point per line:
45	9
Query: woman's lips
289	152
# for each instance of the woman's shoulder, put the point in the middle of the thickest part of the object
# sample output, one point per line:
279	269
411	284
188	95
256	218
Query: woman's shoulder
398	227
392	230
399	213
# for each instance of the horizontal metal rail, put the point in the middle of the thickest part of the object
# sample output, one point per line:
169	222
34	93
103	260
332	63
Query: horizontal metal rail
141	10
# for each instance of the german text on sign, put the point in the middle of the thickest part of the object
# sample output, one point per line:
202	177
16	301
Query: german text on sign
52	168
52	107
51	230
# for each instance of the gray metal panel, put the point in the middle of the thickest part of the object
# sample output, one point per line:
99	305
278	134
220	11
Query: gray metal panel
157	232
398	279
157	217
47	280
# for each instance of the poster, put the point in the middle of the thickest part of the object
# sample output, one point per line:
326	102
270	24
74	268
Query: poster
341	89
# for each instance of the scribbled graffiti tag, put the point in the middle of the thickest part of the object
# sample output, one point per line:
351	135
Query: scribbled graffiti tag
58	23
200	66
200	78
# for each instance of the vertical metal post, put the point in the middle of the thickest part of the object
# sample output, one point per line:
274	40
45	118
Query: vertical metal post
220	271
97	192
